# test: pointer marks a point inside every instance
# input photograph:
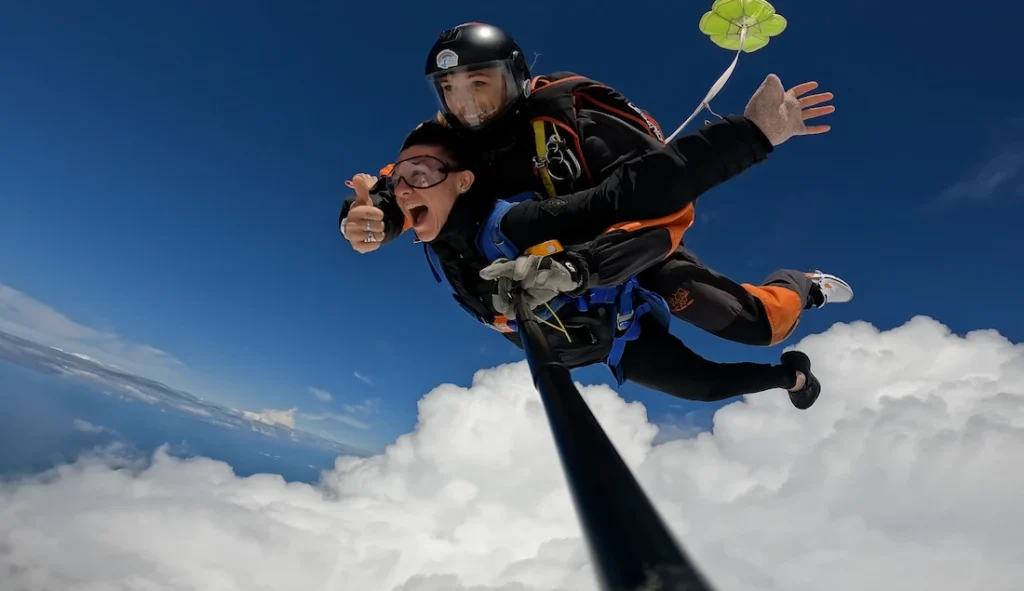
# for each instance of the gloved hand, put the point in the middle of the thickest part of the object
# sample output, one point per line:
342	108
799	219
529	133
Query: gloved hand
780	115
538	278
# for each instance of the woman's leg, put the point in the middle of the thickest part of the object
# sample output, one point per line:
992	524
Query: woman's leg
660	361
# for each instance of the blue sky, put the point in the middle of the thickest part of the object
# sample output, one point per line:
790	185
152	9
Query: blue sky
172	175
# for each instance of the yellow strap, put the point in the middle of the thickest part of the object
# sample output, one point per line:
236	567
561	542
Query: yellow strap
551	246
542	151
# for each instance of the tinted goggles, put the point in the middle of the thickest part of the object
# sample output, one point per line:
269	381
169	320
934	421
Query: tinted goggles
419	172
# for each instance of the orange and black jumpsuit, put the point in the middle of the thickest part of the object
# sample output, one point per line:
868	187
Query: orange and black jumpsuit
642	188
762	314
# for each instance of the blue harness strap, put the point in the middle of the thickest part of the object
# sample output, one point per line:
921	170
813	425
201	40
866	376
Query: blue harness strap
490	240
435	266
495	245
628	301
627	320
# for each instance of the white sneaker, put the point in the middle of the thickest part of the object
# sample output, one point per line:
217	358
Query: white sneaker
835	290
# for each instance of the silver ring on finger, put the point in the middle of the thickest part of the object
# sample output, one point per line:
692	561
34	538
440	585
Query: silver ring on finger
368	228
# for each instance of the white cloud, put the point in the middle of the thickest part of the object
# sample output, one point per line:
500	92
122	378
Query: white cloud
362	378
333	416
905	475
273	417
26	317
673	425
366	407
1002	171
321	394
87	427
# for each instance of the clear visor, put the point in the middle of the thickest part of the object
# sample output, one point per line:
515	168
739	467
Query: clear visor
477	93
419	172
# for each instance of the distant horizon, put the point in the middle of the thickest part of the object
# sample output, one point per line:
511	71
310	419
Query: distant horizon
128	383
50	422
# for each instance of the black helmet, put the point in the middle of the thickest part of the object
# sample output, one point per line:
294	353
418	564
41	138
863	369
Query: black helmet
467	59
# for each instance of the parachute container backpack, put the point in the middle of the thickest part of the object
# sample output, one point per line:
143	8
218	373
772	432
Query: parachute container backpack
738	25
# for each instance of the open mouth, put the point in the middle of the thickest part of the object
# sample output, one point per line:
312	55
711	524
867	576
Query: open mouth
418	213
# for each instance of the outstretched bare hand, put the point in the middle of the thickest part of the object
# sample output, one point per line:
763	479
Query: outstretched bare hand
782	114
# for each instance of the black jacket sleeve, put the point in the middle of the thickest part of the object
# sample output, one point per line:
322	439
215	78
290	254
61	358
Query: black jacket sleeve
651	186
613	258
394	219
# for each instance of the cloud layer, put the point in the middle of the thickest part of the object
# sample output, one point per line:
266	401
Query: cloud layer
321	394
905	476
272	416
26	317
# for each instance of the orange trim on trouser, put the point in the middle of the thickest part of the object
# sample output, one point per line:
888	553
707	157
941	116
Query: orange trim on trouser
676	223
783	307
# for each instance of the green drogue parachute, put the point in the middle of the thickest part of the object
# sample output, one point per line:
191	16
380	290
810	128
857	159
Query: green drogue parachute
740	26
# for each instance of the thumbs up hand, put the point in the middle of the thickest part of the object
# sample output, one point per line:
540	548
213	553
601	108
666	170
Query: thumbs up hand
364	225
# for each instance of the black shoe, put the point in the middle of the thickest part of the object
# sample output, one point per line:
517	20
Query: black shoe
805	397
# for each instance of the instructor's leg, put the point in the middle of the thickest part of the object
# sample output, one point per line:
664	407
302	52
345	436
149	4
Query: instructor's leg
758	315
660	361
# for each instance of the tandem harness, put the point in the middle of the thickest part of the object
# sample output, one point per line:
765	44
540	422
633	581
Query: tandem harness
629	301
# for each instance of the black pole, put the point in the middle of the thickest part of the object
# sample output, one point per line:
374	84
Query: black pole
631	548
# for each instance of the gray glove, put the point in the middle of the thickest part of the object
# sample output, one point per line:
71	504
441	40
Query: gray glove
538	278
780	115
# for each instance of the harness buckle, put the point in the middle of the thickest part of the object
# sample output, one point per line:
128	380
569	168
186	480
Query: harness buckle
622	321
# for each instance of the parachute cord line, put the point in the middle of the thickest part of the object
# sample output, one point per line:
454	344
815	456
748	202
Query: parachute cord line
536	58
715	88
560	328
